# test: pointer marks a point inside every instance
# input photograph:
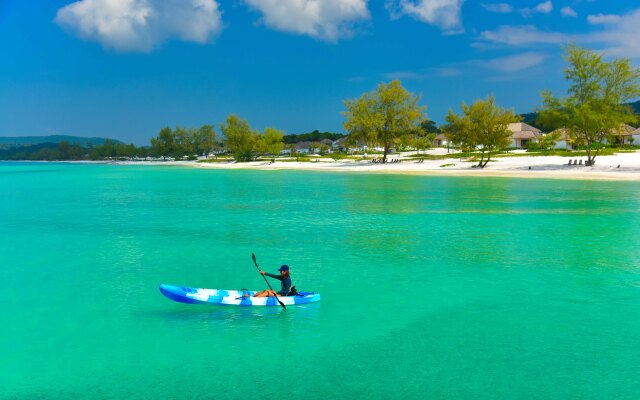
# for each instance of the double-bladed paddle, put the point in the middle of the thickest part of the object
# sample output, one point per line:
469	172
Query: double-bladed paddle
265	279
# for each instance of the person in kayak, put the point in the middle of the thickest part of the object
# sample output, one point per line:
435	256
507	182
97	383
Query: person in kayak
285	283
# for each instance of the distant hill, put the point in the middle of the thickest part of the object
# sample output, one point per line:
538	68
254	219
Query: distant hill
531	118
16	141
38	151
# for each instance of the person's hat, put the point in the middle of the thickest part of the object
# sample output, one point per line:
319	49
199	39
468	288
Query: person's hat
283	268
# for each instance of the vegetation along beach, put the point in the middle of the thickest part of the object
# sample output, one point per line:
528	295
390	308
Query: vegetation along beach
320	199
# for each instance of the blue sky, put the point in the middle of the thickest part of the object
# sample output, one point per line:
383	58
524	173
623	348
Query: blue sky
126	68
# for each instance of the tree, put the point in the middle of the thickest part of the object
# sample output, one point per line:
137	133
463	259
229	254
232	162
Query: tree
183	142
483	125
163	145
384	117
205	140
323	149
547	142
271	142
429	126
594	105
240	139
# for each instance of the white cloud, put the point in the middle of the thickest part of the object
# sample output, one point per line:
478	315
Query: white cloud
603	19
444	14
436	72
544	7
141	25
516	63
323	19
523	35
621	38
568	12
618	39
502	8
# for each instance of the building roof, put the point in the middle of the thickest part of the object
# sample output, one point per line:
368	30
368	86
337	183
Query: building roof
525	135
441	136
624	130
522	127
523	131
303	145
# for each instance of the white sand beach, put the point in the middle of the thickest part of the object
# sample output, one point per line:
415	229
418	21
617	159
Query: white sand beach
623	166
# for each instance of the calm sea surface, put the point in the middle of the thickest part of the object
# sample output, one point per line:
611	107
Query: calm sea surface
432	287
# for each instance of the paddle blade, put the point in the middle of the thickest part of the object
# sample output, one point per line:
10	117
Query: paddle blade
253	256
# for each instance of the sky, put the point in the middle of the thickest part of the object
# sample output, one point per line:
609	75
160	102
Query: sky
126	68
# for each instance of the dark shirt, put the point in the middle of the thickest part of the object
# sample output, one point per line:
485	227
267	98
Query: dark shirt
285	283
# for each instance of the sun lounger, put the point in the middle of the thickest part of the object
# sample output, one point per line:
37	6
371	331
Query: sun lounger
570	162
580	163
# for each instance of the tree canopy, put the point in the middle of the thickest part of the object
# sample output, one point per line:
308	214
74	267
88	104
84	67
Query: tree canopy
594	106
388	116
483	125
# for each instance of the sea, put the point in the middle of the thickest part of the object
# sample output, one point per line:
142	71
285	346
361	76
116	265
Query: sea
432	287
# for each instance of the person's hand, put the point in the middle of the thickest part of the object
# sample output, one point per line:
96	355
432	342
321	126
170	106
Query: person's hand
262	272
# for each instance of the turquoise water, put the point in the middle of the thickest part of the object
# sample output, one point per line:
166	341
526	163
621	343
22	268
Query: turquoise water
433	287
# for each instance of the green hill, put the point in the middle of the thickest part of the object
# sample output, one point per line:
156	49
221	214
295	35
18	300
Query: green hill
17	141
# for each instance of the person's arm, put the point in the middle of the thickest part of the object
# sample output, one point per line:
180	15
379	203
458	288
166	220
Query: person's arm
278	277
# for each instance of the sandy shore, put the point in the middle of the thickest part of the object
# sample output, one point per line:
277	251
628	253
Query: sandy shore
547	167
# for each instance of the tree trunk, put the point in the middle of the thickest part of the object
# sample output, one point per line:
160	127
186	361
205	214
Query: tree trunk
481	160
386	150
488	159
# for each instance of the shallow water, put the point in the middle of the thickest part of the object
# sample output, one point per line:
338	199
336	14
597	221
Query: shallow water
438	287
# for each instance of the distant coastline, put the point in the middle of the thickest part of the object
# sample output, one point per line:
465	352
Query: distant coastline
620	166
624	166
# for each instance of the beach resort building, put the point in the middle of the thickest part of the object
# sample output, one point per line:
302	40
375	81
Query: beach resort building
564	142
625	135
523	134
441	140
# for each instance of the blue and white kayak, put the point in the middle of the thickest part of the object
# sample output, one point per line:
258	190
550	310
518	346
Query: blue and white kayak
190	295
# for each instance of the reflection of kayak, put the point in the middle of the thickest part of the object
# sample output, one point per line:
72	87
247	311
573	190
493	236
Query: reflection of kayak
232	297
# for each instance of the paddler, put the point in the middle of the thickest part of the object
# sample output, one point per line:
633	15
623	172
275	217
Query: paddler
285	283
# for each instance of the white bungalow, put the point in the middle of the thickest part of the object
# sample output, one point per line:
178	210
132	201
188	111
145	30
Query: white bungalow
564	142
636	137
523	134
441	140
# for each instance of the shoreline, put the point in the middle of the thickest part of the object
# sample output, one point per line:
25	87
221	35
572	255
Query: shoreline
618	167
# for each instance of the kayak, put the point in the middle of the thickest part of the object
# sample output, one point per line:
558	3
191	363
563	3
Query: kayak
190	295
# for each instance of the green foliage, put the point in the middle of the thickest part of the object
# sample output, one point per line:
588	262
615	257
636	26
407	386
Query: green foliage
271	142
183	142
386	117
482	125
546	142
429	126
594	106
246	144
240	138
205	140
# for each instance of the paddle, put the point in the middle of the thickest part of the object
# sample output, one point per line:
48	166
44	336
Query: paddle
265	279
